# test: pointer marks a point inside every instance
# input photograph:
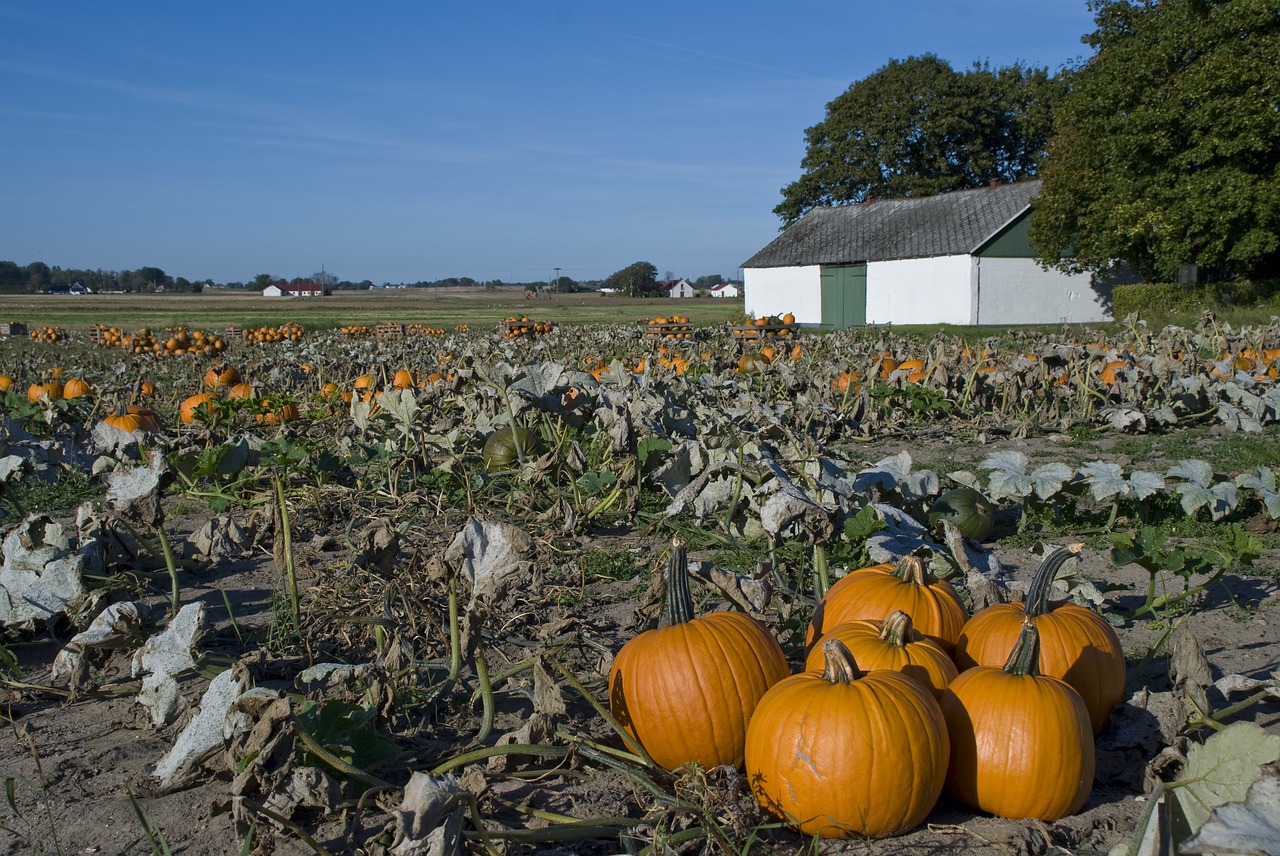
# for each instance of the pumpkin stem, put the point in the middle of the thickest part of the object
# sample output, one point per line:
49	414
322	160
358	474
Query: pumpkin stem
838	665
1025	657
1042	583
911	569
897	629
679	598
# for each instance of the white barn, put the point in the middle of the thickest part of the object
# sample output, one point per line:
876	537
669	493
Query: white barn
954	258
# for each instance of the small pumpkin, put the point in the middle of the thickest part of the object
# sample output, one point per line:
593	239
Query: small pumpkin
971	512
47	391
195	406
76	388
6	383
876	591
842	753
687	690
403	379
891	644
508	446
752	363
241	391
276	412
134	419
221	375
1021	744
1076	644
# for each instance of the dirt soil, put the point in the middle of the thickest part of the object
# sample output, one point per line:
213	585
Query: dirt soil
71	766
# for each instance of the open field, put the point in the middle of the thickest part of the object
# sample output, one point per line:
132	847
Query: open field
433	307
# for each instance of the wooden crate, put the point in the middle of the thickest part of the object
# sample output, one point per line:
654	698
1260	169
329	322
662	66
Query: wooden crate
668	330
389	330
12	328
759	333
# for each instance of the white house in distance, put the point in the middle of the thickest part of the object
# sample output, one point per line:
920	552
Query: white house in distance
725	289
954	258
298	289
680	288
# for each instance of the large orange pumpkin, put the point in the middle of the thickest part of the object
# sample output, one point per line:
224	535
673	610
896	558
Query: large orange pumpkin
1021	745
874	592
687	690
1076	644
891	644
841	753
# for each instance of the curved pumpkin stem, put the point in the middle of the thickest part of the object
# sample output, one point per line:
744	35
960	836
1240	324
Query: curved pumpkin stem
897	629
1042	583
679	598
838	666
911	569
1025	657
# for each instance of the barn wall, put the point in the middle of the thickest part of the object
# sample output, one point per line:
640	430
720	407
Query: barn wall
1018	291
777	291
920	291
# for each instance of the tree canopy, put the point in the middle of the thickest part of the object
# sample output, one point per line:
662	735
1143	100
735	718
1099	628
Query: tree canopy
1167	149
918	127
636	280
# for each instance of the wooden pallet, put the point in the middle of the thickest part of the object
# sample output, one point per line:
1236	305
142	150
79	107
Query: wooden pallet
12	328
747	333
668	330
389	330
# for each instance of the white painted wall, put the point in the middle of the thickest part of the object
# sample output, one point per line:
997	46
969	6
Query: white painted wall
919	291
777	291
1018	291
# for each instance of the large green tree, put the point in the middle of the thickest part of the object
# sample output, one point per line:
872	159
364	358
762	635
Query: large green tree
637	280
1167	149
918	127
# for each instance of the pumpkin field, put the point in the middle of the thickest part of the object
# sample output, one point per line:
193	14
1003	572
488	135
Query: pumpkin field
692	583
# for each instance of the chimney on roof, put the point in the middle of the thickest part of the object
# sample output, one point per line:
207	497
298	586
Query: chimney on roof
868	199
995	182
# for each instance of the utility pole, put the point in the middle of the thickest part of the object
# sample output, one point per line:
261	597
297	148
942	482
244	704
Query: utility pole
555	284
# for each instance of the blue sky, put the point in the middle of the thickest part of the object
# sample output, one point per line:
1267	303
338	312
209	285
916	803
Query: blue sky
415	141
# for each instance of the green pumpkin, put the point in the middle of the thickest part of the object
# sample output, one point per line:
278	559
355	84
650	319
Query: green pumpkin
971	512
508	446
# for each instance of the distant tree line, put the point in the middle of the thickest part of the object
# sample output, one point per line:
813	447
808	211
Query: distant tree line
38	277
639	279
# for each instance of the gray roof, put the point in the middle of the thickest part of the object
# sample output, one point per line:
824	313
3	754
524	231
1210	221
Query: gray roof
948	224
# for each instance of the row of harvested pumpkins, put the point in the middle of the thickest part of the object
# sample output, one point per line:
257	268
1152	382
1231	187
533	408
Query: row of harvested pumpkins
902	696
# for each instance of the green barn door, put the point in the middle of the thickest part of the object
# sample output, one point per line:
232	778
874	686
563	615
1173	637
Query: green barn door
844	296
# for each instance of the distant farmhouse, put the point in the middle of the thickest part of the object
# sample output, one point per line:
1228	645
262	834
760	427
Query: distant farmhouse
954	258
726	289
678	288
297	289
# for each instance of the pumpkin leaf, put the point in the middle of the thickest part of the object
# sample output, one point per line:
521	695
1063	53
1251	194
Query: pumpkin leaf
1104	479
1251	826
1218	772
1145	484
1008	475
1048	479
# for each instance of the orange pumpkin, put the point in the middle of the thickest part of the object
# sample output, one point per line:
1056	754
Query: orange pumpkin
47	391
687	690
76	388
874	592
891	644
134	419
221	375
1021	745
275	413
196	406
1076	644
403	379
842	753
6	383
